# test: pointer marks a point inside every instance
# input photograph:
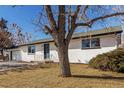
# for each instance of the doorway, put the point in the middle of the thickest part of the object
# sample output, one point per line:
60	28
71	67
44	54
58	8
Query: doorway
46	51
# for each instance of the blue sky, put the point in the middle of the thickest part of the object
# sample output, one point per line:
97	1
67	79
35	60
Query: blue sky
25	15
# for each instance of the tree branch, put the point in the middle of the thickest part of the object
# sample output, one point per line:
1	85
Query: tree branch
62	21
73	24
85	10
48	29
83	24
51	18
104	17
76	13
89	23
54	36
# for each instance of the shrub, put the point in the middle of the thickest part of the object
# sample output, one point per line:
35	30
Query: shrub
113	61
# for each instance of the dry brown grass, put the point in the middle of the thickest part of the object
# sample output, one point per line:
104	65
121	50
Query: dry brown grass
49	76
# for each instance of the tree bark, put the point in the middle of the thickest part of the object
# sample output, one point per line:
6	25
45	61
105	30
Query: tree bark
64	60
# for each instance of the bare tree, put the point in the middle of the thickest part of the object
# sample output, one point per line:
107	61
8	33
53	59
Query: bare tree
18	36
5	36
11	36
63	21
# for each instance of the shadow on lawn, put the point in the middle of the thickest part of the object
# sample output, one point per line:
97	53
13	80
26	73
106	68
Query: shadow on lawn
98	77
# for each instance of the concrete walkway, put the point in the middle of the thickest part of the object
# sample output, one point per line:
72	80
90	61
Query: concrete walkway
13	65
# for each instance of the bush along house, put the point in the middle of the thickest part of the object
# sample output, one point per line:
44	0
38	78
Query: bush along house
83	46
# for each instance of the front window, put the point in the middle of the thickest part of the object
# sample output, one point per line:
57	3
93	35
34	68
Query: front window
91	43
95	42
86	43
31	49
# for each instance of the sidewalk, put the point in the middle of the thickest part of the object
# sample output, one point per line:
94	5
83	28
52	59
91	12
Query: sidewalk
5	66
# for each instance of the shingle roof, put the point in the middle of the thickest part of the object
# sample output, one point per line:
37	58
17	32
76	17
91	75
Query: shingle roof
116	29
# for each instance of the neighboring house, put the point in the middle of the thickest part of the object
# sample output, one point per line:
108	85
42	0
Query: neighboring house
82	47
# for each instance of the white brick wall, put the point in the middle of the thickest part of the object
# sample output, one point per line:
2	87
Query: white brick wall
76	54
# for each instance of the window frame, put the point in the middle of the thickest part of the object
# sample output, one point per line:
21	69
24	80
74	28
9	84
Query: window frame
31	52
90	44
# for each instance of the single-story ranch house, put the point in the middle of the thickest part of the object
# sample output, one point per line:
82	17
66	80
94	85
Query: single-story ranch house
82	47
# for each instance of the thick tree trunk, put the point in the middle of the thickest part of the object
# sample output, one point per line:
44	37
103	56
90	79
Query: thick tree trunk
64	61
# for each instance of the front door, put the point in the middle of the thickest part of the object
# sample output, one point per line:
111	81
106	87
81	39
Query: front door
11	56
46	51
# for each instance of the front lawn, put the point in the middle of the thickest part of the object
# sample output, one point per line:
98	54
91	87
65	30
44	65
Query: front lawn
49	76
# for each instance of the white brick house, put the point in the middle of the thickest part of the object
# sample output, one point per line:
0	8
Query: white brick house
82	47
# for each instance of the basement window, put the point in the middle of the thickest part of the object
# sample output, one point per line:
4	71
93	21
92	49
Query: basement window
31	49
91	43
